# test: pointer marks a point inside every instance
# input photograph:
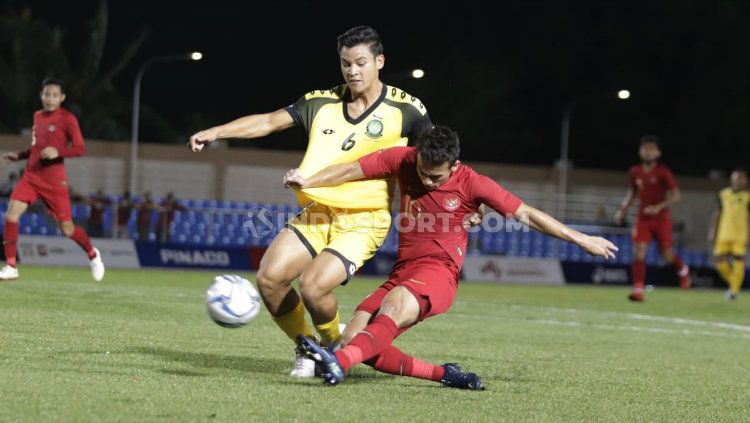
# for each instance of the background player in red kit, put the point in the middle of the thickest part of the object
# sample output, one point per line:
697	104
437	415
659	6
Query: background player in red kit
55	136
438	194
656	188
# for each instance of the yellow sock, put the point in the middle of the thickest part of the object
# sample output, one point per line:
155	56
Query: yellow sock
293	323
738	276
725	270
329	332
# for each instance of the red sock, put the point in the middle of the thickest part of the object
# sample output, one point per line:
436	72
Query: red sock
80	237
370	342
394	361
639	273
678	265
10	237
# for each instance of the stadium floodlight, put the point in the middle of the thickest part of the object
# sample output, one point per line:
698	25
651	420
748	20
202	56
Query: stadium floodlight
562	189
417	73
185	57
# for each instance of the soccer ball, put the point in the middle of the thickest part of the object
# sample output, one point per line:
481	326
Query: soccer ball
232	301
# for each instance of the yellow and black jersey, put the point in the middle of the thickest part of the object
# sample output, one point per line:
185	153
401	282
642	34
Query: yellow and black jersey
734	214
335	137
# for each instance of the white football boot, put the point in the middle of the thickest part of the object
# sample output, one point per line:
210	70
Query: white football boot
97	266
8	273
304	368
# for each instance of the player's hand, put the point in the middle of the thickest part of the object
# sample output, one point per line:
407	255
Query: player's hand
9	157
200	139
294	179
618	217
598	246
472	221
49	153
652	210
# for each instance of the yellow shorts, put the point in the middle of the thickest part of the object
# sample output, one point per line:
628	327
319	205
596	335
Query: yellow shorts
730	248
353	235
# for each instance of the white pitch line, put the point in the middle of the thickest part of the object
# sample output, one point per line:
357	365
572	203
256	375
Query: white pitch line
633	316
687	332
682	321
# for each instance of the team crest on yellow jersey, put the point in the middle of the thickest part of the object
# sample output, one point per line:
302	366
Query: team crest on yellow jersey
374	128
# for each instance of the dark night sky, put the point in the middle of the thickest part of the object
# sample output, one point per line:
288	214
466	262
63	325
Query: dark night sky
499	75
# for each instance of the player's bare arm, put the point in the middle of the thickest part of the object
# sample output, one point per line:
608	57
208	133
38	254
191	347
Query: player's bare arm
9	157
714	225
546	224
626	202
673	196
329	177
253	126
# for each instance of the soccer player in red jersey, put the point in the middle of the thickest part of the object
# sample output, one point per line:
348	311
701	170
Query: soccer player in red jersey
55	136
656	188
438	195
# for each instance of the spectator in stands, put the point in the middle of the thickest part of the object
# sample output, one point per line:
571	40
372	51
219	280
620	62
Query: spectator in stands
145	208
6	188
166	215
99	204
124	208
602	217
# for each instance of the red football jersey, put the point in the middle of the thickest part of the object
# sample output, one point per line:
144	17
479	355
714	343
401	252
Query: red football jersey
58	129
652	187
430	223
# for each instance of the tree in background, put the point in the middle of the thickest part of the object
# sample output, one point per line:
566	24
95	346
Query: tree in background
31	49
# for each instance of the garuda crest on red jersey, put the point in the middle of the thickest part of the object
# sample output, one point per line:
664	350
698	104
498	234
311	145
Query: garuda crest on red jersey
451	203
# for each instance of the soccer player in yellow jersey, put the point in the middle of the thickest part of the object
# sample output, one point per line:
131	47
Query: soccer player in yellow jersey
340	227
729	232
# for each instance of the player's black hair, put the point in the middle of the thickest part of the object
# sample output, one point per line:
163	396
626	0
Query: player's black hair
438	145
54	81
361	35
650	139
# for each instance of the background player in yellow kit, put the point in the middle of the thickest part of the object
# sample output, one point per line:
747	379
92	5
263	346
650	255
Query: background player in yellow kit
729	234
341	227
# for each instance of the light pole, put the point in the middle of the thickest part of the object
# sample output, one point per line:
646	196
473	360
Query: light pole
562	188
194	56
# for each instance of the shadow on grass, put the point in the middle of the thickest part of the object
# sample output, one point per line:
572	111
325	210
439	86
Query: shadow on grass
216	361
178	372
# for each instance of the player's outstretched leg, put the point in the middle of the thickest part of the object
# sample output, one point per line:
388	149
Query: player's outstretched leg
455	378
77	234
394	361
329	366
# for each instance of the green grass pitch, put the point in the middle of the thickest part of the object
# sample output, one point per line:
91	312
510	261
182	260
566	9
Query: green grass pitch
139	347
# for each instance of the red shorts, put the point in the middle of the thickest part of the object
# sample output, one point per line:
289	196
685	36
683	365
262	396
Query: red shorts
432	281
660	229
54	195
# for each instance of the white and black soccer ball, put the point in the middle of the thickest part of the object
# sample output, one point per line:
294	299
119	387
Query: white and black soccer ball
232	301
